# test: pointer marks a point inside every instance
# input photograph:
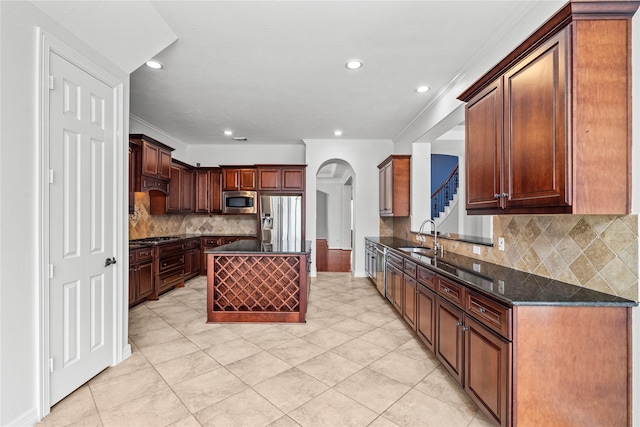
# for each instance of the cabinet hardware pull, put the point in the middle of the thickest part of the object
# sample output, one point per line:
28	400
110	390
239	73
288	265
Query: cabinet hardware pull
496	196
482	309
464	329
447	290
505	195
458	323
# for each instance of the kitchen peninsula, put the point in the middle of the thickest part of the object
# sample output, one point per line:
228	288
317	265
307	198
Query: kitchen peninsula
256	281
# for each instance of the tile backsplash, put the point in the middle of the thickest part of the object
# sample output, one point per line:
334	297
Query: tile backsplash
143	224
593	251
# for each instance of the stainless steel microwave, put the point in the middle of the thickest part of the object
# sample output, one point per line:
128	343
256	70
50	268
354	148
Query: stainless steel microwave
239	202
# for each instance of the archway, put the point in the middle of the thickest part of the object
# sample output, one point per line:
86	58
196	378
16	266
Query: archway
334	216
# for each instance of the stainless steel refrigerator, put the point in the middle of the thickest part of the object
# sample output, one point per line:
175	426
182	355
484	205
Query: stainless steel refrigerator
281	219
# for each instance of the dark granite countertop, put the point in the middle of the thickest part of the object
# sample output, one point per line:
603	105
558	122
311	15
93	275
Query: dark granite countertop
260	247
141	243
512	287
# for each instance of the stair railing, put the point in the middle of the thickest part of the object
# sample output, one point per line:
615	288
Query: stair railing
444	194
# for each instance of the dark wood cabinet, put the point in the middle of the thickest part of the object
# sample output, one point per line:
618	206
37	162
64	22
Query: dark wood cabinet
449	340
140	275
539	138
281	178
409	291
134	175
181	189
425	315
149	164
525	165
210	242
394	186
394	279
487	364
208	196
239	178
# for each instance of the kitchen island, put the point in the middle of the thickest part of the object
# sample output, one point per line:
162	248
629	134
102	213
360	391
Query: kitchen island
256	281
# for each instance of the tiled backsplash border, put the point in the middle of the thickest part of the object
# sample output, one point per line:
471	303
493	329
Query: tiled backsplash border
598	252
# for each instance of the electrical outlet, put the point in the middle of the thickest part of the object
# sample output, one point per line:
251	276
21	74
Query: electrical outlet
476	250
501	244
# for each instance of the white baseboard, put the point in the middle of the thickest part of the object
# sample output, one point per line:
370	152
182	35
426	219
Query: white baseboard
28	419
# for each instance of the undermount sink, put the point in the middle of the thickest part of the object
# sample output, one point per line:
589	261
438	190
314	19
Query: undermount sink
418	250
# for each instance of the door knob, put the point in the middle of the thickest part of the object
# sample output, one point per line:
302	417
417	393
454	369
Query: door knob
109	261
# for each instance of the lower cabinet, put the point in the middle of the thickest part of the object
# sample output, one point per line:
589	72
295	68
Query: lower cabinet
140	275
449	338
209	242
394	286
487	362
425	315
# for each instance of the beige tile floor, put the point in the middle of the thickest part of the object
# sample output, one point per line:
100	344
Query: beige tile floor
354	363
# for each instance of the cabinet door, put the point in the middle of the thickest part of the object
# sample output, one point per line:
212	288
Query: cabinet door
293	179
269	179
133	284
449	338
386	190
202	178
230	179
175	188
215	194
535	140
487	371
145	280
425	315
483	148
397	288
164	162
150	160
248	179
186	195
409	301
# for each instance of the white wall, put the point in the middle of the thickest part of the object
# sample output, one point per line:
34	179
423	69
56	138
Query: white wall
363	157
19	183
244	153
322	217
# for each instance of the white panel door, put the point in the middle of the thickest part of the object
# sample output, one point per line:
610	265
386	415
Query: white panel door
82	223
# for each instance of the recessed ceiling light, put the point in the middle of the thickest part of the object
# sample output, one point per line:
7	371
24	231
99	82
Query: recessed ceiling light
337	133
353	64
228	132
154	64
422	89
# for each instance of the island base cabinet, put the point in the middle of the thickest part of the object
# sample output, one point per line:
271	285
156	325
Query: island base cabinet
486	370
571	366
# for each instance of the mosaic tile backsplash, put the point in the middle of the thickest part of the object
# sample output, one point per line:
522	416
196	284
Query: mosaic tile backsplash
593	251
143	224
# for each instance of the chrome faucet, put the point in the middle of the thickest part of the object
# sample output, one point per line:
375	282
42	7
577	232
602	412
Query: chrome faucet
435	235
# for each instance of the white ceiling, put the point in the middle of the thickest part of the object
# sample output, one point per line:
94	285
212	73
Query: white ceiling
273	71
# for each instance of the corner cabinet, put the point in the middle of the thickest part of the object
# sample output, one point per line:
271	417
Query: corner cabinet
394	185
538	139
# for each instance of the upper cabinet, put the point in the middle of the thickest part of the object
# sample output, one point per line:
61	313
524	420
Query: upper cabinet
548	128
152	163
394	185
181	186
238	178
281	178
208	195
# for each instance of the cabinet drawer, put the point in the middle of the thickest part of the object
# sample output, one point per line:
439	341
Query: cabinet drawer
410	268
426	277
450	290
170	278
144	254
210	241
395	260
170	248
493	315
171	262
